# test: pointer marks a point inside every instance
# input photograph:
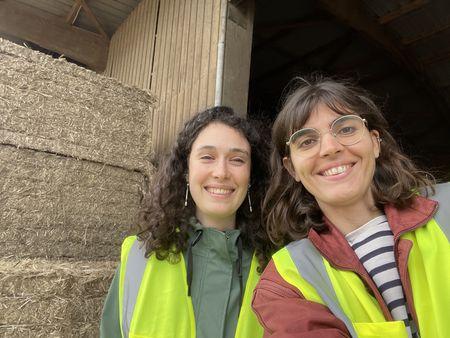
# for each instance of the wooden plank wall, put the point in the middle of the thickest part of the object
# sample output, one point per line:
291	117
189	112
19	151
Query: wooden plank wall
181	70
132	46
185	63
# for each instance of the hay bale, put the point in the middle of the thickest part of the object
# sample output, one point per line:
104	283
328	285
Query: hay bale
57	206
52	105
41	298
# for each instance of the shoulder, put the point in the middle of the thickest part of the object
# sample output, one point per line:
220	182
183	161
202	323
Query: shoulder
284	312
129	243
442	193
272	283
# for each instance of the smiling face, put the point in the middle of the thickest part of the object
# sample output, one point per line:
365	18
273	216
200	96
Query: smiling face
337	175
219	174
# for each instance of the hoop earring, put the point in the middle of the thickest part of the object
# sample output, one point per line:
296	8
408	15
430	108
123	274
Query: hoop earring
187	193
249	200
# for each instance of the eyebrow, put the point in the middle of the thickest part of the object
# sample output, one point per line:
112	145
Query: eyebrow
233	150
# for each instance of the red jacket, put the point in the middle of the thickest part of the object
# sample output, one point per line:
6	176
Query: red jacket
284	312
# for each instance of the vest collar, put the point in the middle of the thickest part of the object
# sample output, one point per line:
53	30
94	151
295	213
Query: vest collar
334	247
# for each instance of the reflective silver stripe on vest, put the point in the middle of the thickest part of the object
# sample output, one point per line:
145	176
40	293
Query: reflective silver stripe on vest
134	271
442	215
310	265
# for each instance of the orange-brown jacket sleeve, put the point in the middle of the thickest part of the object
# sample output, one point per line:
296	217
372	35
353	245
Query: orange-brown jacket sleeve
285	313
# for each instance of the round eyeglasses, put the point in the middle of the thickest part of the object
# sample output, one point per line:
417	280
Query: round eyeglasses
347	130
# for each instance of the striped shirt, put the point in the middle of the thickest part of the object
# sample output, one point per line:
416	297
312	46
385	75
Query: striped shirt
373	243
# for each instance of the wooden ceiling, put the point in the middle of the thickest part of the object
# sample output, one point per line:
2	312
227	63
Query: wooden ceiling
78	29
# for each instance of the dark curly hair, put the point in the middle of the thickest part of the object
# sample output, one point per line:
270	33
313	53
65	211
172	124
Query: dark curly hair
164	220
289	210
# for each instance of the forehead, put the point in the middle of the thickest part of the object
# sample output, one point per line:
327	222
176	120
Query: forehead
221	136
322	116
320	113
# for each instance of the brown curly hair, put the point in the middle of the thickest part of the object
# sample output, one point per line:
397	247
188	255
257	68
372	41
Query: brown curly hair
164	220
289	210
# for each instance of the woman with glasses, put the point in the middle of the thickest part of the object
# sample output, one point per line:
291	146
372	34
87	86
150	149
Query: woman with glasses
191	270
366	250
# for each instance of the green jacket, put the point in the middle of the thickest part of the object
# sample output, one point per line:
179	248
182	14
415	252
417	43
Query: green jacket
215	291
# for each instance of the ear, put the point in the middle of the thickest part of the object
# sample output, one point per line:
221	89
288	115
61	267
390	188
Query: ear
288	166
375	135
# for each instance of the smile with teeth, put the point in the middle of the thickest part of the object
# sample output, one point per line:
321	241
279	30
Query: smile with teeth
336	170
219	191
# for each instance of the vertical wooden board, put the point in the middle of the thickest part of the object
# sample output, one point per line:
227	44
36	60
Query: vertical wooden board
154	84
114	56
181	88
128	43
139	47
190	59
108	70
122	52
152	12
238	46
176	78
171	55
133	47
205	48
169	70
146	56
117	57
142	49
160	78
197	56
215	31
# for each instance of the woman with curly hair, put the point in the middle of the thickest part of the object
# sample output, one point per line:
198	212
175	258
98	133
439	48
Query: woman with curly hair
367	253
191	270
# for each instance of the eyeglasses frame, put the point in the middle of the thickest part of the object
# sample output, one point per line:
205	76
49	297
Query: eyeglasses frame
288	143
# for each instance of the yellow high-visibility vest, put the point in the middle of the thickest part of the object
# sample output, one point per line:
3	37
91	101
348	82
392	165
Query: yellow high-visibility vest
345	294
153	300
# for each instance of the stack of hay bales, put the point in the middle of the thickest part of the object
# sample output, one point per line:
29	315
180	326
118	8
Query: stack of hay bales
74	159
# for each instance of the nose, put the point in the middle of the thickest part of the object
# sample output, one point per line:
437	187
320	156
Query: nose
220	170
329	145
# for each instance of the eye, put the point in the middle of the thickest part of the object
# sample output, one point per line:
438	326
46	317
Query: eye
238	160
347	130
305	142
207	157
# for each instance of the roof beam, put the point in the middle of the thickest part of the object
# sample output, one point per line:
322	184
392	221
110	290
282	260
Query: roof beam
425	35
436	59
92	17
53	33
351	13
73	14
404	9
300	60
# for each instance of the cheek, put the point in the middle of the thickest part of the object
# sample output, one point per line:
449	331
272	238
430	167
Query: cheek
242	176
302	170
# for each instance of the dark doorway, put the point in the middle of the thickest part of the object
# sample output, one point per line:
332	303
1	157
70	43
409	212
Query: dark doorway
294	38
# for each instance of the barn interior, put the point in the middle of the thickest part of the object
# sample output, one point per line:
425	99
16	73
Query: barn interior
398	50
394	51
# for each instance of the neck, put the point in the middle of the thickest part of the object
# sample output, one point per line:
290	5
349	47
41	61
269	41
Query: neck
350	217
218	223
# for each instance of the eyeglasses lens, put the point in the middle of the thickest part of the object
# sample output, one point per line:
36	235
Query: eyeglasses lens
348	130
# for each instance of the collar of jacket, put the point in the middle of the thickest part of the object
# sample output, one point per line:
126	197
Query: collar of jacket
334	247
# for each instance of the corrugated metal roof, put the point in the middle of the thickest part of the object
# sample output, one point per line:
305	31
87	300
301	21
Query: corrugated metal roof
110	13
